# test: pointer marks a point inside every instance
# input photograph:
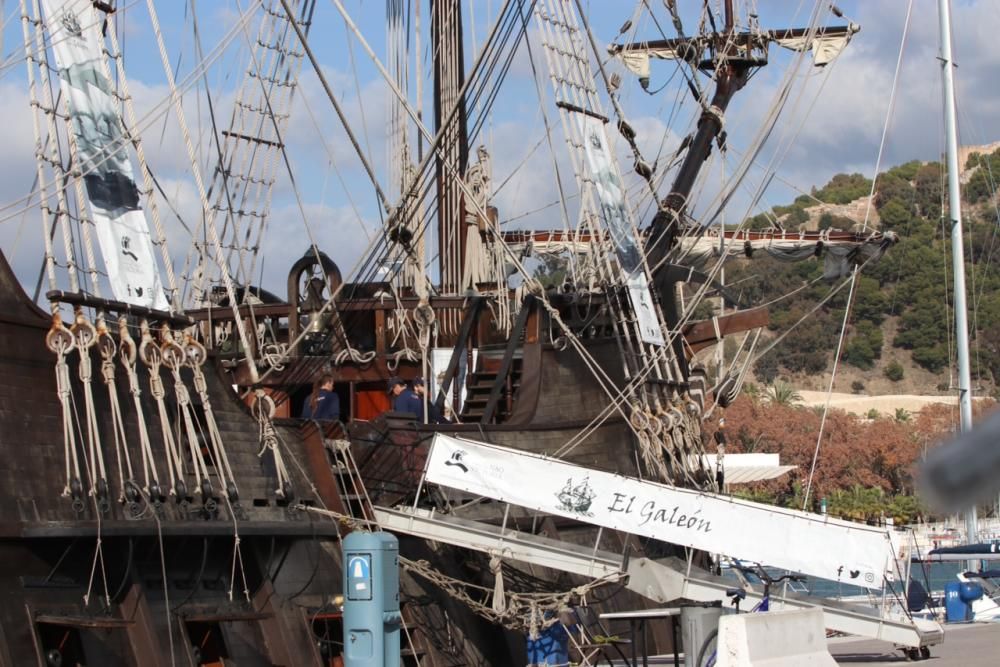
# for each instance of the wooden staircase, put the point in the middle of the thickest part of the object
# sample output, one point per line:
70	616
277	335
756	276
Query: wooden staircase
482	384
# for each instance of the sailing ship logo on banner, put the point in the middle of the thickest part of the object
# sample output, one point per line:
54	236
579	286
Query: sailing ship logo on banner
577	498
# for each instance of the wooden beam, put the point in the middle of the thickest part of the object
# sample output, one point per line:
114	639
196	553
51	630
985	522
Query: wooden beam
702	334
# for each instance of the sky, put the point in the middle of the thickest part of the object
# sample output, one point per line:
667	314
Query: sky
833	120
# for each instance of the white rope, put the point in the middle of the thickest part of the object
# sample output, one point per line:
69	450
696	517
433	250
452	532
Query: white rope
85	336
264	409
48	110
209	214
854	273
108	348
147	176
196	356
174	357
85	221
121	144
127	355
60	341
152	356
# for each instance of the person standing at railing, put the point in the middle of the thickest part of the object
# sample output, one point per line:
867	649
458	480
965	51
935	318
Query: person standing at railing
433	414
403	398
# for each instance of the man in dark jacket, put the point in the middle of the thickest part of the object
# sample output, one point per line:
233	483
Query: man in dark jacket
403	398
434	415
324	404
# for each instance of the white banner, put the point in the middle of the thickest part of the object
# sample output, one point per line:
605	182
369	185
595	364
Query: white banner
803	542
645	310
611	194
102	153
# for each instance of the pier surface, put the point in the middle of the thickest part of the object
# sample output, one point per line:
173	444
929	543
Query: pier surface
975	645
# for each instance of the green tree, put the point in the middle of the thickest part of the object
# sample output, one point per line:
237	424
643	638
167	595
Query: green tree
927	187
892	187
895	214
906	171
894	371
844	188
870	301
782	393
983	182
864	346
796	216
766	368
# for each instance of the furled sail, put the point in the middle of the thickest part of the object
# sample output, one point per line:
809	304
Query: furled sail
824	47
102	154
825	44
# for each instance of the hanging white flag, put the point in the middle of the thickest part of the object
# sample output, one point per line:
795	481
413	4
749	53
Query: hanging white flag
102	154
611	195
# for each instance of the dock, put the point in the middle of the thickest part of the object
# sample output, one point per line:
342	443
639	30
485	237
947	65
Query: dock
972	645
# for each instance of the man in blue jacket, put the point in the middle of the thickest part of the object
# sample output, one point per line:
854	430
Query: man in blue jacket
324	404
404	399
434	415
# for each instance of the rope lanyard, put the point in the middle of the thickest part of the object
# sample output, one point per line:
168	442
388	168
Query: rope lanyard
174	358
108	348
127	354
151	355
60	341
263	408
85	336
196	355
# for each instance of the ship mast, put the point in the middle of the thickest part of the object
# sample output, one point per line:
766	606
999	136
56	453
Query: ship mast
449	74
732	55
957	248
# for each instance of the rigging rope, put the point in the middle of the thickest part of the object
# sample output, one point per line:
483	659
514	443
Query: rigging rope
48	110
209	214
108	348
127	357
84	337
195	356
854	273
263	409
60	341
152	356
174	357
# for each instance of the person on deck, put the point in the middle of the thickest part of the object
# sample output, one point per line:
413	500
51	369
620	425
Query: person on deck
403	398
324	404
434	415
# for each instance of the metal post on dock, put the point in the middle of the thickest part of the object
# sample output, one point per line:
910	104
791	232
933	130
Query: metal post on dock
372	618
957	246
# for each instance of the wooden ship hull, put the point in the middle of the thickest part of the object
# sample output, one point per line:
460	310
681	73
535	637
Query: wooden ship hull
129	583
179	572
168	583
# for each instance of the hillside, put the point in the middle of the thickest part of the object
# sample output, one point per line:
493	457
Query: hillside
900	338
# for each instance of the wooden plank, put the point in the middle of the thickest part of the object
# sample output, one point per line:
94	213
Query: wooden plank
700	335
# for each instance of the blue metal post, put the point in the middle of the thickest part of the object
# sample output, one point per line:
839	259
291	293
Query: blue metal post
371	600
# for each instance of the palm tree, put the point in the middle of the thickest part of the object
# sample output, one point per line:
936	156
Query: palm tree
782	393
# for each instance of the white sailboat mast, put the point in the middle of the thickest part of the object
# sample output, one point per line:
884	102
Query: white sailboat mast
957	247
